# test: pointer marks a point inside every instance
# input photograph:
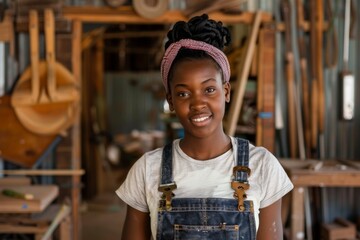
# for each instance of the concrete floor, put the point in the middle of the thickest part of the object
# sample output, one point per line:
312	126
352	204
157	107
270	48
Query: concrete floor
103	218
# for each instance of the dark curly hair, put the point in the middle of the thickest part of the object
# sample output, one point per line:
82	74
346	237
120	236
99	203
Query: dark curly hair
199	28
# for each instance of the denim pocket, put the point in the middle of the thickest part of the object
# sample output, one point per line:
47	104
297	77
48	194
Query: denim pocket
197	232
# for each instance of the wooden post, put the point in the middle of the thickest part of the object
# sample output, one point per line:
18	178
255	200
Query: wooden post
76	131
297	213
98	82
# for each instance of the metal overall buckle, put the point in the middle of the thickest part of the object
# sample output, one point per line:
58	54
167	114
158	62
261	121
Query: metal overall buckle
167	190
240	187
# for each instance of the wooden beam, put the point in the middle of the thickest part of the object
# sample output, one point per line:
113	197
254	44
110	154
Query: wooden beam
129	16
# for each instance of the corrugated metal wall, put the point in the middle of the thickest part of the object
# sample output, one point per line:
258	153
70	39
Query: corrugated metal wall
130	102
341	138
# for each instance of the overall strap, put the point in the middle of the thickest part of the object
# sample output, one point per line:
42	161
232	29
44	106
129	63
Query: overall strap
242	159
166	165
241	172
167	185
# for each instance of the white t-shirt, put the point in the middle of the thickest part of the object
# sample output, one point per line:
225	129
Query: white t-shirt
204	179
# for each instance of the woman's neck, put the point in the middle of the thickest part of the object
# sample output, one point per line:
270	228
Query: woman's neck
205	148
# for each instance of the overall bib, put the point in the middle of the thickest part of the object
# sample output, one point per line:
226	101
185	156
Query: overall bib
206	218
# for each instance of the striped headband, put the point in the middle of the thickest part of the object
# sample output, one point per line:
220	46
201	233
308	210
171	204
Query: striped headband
212	51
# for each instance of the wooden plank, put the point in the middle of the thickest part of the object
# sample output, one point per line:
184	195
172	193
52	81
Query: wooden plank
128	15
331	173
34	56
44	172
290	81
242	77
9	228
14	181
266	89
76	130
43	196
327	179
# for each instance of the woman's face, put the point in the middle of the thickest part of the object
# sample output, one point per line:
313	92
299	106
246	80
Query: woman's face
198	96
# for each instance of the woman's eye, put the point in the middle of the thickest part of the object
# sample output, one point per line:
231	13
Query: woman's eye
210	90
183	94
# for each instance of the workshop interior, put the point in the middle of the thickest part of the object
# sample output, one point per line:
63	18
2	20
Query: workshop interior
82	99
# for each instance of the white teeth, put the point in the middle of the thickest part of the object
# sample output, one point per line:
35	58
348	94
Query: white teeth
200	119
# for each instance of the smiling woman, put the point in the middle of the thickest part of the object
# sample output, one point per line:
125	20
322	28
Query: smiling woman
205	173
197	95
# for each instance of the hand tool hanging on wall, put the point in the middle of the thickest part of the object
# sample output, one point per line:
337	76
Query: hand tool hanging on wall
347	82
289	75
45	97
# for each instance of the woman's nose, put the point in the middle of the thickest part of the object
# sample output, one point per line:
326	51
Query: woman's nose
197	102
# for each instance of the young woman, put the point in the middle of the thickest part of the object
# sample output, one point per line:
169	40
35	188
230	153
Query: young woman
207	185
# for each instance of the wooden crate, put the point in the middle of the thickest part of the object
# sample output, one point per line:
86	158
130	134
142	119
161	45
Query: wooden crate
339	229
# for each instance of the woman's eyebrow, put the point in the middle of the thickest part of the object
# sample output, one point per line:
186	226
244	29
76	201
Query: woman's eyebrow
203	82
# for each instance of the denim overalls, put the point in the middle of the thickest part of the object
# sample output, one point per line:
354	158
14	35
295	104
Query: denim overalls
206	218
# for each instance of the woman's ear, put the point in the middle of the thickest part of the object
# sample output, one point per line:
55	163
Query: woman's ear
169	100
227	90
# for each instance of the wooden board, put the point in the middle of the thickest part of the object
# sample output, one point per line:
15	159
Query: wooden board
17	144
265	124
15	181
43	196
127	15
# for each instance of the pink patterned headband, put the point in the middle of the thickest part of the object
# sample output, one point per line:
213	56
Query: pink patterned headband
174	48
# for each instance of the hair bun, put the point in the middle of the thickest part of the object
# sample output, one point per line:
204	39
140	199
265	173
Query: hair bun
200	28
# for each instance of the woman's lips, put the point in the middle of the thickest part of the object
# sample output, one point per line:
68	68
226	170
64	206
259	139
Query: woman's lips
200	120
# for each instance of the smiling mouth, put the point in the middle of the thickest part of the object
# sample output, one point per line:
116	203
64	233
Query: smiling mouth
200	119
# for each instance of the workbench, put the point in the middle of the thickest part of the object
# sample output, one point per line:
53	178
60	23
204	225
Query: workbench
314	173
43	196
35	216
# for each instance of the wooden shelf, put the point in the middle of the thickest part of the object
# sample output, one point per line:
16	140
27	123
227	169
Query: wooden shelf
43	196
126	14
